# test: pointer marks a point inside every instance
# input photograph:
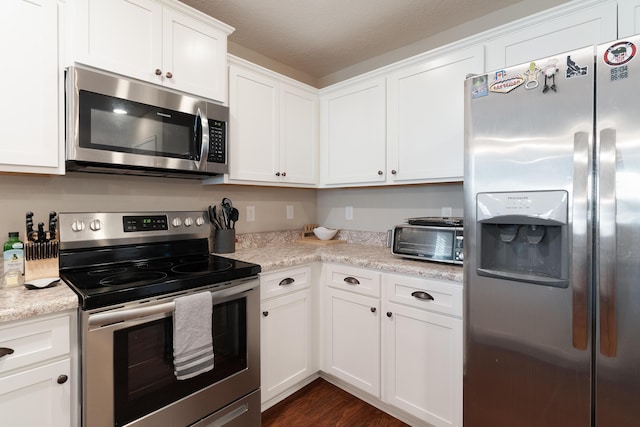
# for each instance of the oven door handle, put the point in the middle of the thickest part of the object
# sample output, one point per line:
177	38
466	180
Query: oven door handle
124	315
204	139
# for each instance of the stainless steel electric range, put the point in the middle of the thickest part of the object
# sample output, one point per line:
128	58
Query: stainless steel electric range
127	269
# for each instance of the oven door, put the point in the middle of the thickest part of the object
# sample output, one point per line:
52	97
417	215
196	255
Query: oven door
128	375
439	244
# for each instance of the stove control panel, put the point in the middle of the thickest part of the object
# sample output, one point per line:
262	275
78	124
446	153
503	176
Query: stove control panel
86	228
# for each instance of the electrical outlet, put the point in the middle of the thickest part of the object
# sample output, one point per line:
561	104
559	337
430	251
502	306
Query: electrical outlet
447	212
348	213
251	213
289	211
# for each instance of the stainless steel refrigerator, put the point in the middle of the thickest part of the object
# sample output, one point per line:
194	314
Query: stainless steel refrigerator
552	241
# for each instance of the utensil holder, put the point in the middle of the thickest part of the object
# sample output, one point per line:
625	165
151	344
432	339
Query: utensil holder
224	241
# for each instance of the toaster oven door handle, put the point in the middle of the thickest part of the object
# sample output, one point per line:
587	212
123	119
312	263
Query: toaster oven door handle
204	139
127	314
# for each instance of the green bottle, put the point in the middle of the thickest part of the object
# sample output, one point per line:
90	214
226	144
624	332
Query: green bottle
13	259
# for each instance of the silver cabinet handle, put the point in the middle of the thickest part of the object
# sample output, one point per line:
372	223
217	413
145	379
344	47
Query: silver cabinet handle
607	246
581	168
287	281
422	295
5	351
351	280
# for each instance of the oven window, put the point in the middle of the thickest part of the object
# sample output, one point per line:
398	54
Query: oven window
115	124
143	361
430	244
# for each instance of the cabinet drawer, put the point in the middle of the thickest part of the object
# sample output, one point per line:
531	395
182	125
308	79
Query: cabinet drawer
358	280
284	281
427	294
34	341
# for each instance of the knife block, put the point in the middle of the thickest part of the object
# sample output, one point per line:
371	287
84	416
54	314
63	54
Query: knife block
40	268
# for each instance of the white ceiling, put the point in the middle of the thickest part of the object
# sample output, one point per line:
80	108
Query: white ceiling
321	37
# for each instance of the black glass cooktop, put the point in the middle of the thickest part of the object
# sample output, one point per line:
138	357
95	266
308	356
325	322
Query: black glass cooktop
115	281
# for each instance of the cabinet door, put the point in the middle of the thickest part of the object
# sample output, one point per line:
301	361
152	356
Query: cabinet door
426	118
194	56
423	364
34	398
253	106
298	135
553	35
286	342
353	339
353	134
30	131
123	36
628	18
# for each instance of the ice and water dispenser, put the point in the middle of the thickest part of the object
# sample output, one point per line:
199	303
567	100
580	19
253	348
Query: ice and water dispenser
524	236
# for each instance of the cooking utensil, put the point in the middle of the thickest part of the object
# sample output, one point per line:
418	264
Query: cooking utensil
233	217
42	283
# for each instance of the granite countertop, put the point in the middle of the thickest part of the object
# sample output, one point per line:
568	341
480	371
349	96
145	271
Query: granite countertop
277	256
20	303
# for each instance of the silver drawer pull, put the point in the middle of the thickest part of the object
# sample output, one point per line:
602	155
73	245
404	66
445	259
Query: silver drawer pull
422	295
352	280
287	281
5	351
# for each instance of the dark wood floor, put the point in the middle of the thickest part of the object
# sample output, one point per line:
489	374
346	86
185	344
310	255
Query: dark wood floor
323	404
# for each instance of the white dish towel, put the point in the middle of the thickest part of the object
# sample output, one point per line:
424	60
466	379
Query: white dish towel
192	341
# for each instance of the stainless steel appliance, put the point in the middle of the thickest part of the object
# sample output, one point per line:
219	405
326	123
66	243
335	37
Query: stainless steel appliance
128	269
429	239
552	227
125	126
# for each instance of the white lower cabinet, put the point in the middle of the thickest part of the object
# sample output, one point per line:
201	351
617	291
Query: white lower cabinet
352	326
36	379
286	331
422	348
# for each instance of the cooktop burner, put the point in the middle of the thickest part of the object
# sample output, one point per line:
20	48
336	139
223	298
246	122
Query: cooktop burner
104	286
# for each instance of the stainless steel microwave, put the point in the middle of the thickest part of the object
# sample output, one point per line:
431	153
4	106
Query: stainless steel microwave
429	239
125	126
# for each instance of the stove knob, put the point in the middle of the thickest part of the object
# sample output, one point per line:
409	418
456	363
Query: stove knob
77	225
188	221
95	225
199	221
176	222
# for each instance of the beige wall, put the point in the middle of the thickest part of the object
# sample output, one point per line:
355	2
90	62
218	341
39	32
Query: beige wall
380	208
77	192
374	209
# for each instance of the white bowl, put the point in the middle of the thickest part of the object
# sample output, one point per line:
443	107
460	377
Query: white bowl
324	233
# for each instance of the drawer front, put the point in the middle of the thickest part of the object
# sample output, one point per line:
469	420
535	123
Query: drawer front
284	281
358	280
34	342
427	294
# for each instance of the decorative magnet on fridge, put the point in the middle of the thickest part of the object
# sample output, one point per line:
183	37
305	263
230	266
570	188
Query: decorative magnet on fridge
549	71
532	76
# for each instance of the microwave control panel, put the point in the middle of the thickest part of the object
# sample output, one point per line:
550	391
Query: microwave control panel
217	142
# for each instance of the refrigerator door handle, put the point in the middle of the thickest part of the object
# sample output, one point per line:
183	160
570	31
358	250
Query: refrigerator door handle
607	243
581	168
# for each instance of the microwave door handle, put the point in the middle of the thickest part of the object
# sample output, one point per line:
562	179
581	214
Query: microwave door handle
204	140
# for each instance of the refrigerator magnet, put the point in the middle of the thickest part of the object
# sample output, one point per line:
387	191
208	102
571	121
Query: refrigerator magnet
619	53
574	70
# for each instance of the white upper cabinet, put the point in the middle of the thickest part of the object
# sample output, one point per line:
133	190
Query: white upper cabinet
628	18
273	129
145	39
425	117
31	115
552	33
353	133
